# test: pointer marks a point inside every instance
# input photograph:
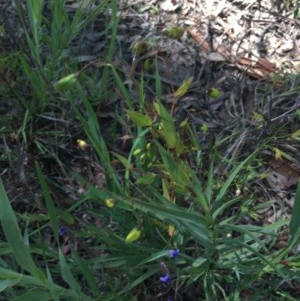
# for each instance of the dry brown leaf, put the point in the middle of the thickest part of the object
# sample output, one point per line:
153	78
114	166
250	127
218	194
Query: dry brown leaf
260	69
244	61
265	64
215	57
284	167
218	54
199	40
283	175
169	5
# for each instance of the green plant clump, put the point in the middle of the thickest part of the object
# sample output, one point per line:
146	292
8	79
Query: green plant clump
150	219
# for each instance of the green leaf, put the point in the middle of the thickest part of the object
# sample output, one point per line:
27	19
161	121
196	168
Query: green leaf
126	163
139	119
158	85
209	184
49	203
192	223
88	274
214	93
122	87
295	220
177	171
65	216
130	286
218	205
198	262
35	295
147	179
181	91
66	82
14	238
4	284
34	282
200	196
91	127
174	32
168	131
66	273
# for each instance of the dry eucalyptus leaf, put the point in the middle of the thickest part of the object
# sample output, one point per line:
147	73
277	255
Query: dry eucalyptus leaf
282	173
170	5
215	57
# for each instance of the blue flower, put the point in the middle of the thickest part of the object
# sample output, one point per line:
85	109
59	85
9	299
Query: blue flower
165	279
174	253
62	231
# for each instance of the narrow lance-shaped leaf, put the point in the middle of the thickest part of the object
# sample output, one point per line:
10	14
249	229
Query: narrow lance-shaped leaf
14	237
66	273
295	220
48	200
139	119
168	131
182	90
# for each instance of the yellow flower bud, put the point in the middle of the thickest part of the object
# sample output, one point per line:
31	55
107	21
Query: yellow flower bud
82	144
133	235
171	230
142	158
110	203
137	152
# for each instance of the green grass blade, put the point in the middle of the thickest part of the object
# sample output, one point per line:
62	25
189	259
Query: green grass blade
295	220
24	280
111	30
48	200
209	185
189	222
177	171
29	281
138	281
35	8
35	295
158	84
123	89
197	189
92	129
66	273
169	132
90	279
228	182
14	237
4	284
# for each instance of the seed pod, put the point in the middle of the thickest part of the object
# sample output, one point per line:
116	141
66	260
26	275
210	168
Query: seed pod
133	235
65	82
174	32
214	93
